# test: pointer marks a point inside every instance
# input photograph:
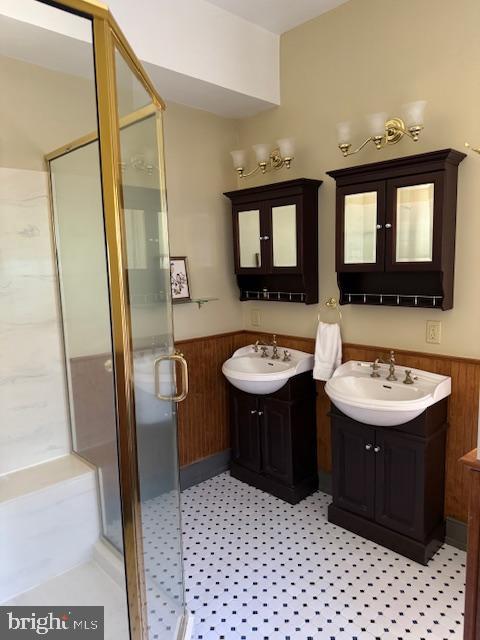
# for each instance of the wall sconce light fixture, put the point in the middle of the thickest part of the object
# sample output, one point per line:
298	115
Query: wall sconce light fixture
384	130
469	146
267	160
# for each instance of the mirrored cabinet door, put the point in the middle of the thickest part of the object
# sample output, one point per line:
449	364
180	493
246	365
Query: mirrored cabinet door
362	223
413	209
284	236
249	239
414	224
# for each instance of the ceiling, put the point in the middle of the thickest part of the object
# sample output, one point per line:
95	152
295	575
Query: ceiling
277	16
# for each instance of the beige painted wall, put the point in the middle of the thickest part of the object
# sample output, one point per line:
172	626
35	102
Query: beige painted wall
199	170
355	60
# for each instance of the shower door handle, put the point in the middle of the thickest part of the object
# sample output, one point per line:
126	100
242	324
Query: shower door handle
179	396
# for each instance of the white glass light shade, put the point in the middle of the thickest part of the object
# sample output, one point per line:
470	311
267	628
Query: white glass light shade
286	146
344	132
239	157
376	123
414	113
262	151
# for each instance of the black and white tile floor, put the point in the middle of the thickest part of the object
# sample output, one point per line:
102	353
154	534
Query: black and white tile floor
257	568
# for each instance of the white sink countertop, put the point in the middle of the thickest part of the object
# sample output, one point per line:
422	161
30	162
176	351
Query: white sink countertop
248	371
377	401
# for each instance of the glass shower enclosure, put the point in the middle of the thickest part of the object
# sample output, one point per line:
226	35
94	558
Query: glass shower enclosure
109	217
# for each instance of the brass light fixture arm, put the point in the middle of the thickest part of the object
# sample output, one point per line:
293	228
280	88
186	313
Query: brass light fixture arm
345	147
242	174
274	162
395	129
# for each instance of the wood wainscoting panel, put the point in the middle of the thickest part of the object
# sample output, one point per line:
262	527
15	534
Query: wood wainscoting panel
204	417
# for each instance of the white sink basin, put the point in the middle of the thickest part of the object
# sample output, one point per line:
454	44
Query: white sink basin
379	402
249	372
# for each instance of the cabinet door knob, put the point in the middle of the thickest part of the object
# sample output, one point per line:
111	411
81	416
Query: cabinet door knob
388	225
379	226
377	449
253	411
368	447
260	413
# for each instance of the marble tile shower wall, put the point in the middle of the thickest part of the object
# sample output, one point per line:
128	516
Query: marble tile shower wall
33	419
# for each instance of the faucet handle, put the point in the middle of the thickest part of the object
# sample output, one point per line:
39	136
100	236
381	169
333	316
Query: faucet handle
375	367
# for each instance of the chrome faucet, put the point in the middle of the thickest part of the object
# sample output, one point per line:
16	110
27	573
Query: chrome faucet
264	346
375	366
275	355
261	344
391	368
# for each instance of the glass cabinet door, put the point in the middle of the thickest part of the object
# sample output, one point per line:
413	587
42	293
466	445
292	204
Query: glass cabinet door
284	236
361	228
250	238
412	205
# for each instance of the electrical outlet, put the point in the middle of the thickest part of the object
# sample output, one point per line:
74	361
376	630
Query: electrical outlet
255	318
434	331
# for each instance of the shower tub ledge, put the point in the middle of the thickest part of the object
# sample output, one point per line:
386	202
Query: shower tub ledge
49	522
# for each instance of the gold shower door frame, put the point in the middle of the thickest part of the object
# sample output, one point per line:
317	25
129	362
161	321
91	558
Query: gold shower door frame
107	36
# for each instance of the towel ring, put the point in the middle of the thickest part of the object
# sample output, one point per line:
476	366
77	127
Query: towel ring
332	303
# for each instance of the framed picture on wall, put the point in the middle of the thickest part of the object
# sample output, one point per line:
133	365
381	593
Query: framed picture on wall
179	280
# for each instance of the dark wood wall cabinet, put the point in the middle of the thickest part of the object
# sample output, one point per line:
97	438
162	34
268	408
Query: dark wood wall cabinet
395	231
274	441
388	483
275	240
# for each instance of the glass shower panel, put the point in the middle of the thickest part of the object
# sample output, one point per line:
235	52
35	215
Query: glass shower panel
149	291
52	551
80	237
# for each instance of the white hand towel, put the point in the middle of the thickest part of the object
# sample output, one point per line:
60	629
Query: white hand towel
328	351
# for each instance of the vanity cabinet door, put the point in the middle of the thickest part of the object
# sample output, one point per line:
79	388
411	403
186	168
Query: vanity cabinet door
414	223
360	228
246	445
285	232
400	490
276	425
353	463
251	238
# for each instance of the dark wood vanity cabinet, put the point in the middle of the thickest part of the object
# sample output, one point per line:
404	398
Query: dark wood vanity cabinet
388	482
395	231
246	431
275	241
274	439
